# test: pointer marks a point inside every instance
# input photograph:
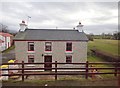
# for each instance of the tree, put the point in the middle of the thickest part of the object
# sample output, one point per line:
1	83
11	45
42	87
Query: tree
3	28
116	36
90	37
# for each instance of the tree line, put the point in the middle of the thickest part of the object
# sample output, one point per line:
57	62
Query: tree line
4	28
114	36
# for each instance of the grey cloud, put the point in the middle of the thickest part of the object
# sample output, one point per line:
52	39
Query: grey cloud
103	19
107	5
98	29
58	12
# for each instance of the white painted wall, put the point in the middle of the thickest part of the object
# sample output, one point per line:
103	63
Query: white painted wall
79	53
2	45
8	41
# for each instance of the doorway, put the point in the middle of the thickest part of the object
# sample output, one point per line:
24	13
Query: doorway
48	66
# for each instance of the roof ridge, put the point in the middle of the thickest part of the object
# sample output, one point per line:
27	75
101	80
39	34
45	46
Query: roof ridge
54	29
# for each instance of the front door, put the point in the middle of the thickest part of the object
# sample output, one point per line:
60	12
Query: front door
48	66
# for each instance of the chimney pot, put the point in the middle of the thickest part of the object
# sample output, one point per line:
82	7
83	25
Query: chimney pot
23	21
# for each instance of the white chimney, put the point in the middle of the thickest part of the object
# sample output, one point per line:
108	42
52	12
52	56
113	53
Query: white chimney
80	27
23	26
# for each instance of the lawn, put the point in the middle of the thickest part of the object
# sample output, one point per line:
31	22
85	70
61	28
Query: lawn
105	45
70	82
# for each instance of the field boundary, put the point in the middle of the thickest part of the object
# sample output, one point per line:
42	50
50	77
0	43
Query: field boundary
105	56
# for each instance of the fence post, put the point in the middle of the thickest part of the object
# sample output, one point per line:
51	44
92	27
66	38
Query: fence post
23	71
116	64
55	70
86	75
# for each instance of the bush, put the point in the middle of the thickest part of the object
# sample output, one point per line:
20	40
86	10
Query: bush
90	38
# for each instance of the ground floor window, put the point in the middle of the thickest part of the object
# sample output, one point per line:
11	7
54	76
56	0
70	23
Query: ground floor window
31	59
69	59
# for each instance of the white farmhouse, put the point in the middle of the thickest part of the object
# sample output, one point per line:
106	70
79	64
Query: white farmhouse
5	40
50	45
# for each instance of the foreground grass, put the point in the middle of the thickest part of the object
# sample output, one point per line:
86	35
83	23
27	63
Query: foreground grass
68	82
108	46
92	58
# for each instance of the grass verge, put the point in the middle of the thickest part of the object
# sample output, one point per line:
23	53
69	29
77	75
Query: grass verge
7	50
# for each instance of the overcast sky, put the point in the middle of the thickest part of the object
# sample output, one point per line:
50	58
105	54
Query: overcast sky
97	17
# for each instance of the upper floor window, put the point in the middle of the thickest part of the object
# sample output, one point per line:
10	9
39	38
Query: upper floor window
48	46
68	46
68	59
30	46
31	59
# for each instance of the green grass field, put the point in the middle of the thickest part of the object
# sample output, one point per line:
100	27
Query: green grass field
107	46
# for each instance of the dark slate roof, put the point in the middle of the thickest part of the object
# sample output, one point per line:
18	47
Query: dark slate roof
51	34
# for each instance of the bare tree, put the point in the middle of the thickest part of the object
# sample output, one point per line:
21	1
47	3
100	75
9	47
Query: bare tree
4	28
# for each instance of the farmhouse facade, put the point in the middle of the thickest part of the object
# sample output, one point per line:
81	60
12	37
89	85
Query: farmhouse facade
50	45
5	40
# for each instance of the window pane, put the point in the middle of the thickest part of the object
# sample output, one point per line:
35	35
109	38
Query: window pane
68	59
68	46
30	59
31	46
48	46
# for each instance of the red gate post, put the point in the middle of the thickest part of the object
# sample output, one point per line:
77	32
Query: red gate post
23	71
55	70
86	75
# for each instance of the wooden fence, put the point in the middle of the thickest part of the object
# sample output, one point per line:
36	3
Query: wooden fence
87	69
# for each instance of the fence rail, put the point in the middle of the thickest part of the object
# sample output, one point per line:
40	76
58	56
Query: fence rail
87	69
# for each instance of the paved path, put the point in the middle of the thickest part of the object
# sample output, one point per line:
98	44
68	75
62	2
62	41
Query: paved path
7	56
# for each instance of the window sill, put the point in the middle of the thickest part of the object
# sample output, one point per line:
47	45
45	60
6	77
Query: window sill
48	51
30	51
68	51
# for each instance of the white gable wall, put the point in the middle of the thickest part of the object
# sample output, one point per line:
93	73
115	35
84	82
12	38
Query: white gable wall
2	45
5	44
8	44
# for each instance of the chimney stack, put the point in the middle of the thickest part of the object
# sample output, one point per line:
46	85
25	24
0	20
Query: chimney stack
23	26
79	27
